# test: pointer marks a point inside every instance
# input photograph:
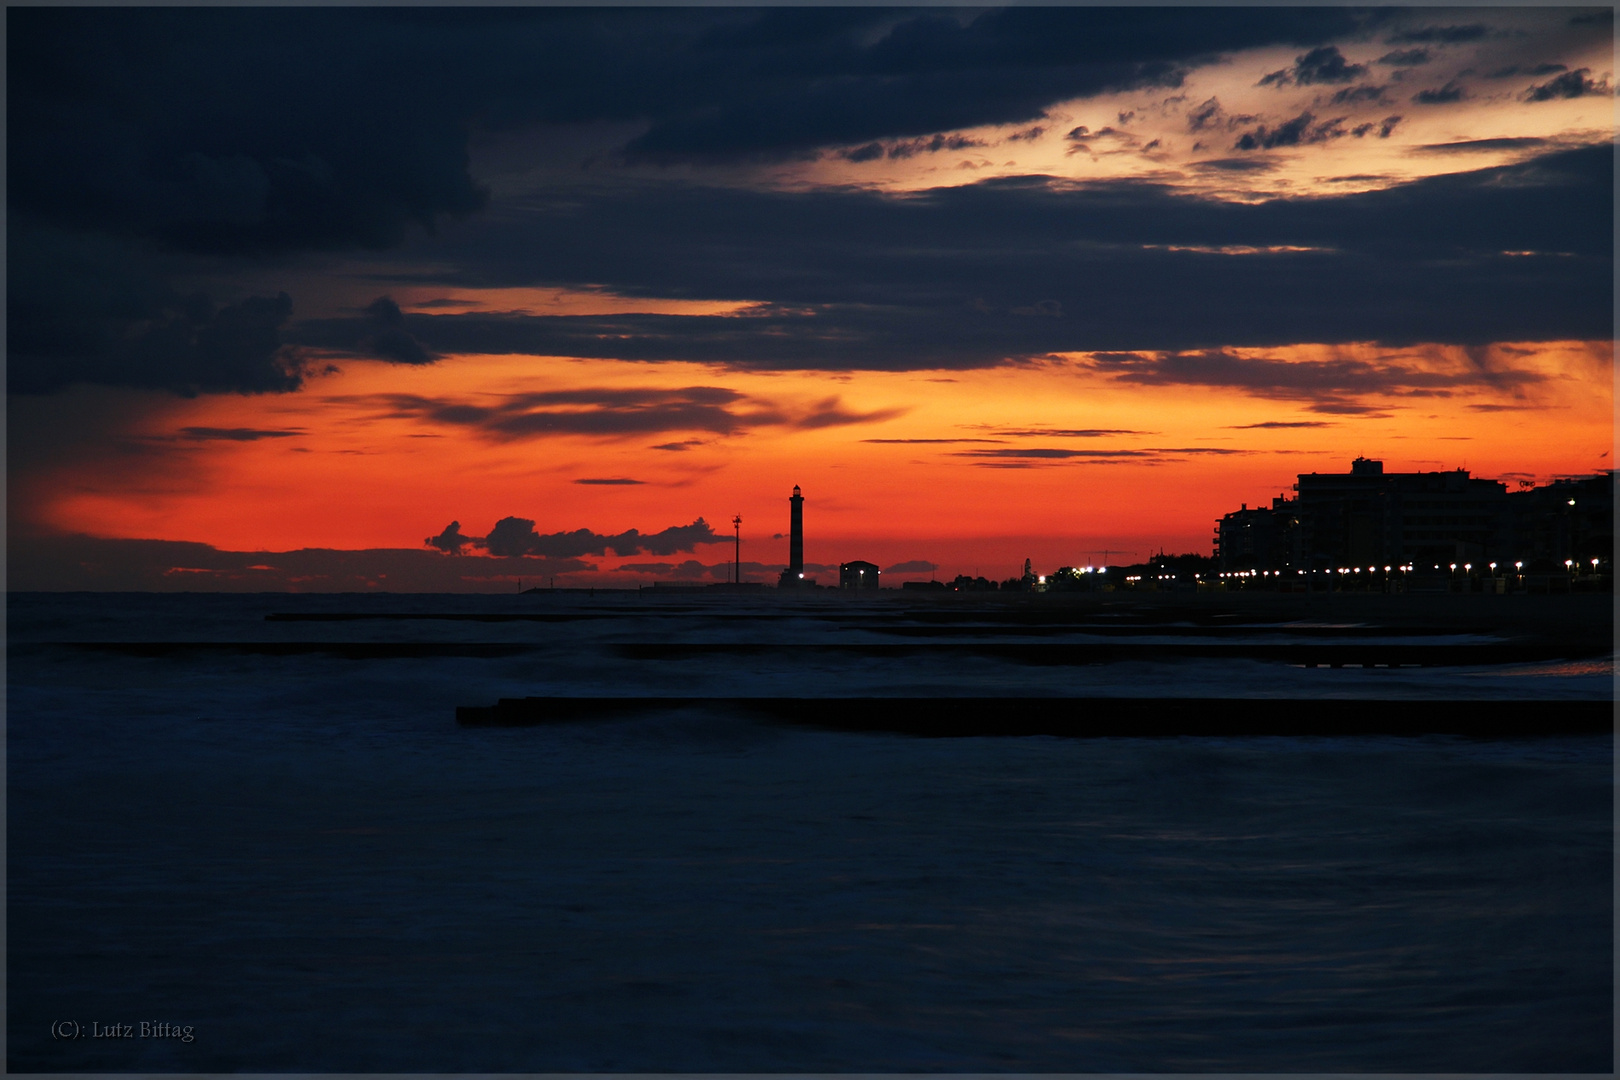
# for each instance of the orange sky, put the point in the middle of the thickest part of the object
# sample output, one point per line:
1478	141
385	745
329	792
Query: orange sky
920	465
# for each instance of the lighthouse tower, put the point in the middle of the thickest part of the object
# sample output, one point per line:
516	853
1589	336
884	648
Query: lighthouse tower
793	576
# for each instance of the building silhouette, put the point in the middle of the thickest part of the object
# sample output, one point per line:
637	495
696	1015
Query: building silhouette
1567	519
858	575
1368	518
793	576
1258	538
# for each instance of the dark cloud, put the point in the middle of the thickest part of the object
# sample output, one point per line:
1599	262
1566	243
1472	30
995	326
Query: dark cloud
683	445
1405	58
1440	35
858	280
83	309
1468	146
146	142
1205	115
933	71
232	129
1323	65
912	566
1358	94
1251	164
912	147
1301	129
515	536
1443	95
450	539
1052	452
1571	84
1383	128
1330	386
153	146
1340	407
210	434
1278	424
447	302
609	481
604	412
388	339
617	413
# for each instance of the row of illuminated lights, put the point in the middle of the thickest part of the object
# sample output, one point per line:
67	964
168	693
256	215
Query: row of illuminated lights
1569	564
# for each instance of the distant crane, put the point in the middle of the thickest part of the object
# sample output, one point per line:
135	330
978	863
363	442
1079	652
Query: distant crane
1107	552
736	523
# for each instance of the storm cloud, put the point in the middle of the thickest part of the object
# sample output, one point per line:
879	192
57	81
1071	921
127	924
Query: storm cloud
151	148
859	280
618	413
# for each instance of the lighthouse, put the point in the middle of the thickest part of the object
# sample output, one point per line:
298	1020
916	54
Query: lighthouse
793	576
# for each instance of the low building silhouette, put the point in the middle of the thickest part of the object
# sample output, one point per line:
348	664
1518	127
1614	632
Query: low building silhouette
858	575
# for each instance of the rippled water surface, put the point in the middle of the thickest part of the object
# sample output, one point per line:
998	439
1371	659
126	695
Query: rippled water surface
303	859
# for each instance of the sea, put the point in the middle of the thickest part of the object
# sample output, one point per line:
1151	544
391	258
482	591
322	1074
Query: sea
247	833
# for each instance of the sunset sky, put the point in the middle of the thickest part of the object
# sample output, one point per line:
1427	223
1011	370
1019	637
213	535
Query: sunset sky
292	290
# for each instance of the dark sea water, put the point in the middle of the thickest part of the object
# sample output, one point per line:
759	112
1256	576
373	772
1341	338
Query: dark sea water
306	861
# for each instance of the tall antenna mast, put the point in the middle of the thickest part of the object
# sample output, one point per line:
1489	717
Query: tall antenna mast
736	523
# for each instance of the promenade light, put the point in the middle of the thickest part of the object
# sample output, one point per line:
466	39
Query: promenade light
1454	566
1386	569
1594	564
1568	563
1518	566
1493	568
1468	566
1572	502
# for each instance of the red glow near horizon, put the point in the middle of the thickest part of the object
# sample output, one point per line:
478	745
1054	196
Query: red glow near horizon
973	471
